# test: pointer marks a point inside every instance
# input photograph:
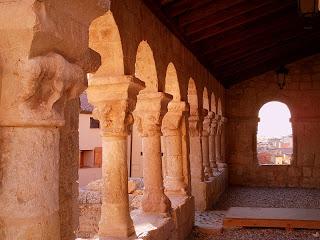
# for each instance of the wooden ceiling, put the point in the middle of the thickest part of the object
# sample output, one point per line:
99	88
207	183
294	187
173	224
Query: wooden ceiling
239	39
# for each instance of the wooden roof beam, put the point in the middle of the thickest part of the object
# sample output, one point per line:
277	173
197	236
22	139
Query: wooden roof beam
206	10
224	15
253	45
292	48
244	33
240	20
184	6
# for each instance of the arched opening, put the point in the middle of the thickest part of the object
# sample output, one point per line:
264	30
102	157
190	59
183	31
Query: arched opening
192	97
213	106
104	38
172	83
205	99
219	107
145	70
145	67
274	136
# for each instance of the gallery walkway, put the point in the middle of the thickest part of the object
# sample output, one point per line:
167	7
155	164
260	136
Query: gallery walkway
256	197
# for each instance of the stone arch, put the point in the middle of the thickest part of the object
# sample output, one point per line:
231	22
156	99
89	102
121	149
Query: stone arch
283	100
205	97
172	83
192	96
213	105
219	107
145	67
104	37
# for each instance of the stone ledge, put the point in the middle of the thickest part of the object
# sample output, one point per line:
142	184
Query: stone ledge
147	226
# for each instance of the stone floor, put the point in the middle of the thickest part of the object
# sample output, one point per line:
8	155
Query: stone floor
209	224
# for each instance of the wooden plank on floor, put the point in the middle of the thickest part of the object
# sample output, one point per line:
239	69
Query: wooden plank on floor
288	218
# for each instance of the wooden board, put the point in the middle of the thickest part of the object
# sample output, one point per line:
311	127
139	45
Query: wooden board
288	218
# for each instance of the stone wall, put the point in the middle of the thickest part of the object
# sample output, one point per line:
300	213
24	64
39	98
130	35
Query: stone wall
301	94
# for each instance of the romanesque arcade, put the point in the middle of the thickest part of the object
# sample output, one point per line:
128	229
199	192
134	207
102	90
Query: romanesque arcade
49	55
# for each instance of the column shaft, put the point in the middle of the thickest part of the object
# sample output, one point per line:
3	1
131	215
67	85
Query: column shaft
29	187
174	180
154	199
205	155
196	166
212	153
150	110
218	148
115	218
114	113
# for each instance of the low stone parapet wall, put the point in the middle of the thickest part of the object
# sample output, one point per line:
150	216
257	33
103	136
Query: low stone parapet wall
147	226
207	193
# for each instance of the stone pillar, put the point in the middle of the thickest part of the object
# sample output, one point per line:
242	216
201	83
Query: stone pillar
205	144
114	98
196	166
29	196
223	163
212	145
171	129
150	110
46	62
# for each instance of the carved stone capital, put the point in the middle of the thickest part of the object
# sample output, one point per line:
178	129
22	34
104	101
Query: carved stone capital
46	83
206	130
195	125
114	98
213	127
46	60
149	112
220	124
172	120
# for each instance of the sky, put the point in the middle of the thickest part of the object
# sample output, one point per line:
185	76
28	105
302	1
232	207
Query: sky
274	120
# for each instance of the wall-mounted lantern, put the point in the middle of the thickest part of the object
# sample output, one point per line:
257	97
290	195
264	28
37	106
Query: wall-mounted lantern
309	8
282	72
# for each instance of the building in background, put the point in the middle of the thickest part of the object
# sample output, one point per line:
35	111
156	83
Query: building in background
90	146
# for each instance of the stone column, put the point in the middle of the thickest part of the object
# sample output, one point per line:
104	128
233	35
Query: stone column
46	62
218	140
196	166
29	196
114	98
171	129
212	145
150	110
222	163
205	144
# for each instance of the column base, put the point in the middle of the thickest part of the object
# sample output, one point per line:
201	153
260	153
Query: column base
120	231
155	202
175	186
115	222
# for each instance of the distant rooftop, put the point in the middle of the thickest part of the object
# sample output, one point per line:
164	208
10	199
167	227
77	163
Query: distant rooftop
85	106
